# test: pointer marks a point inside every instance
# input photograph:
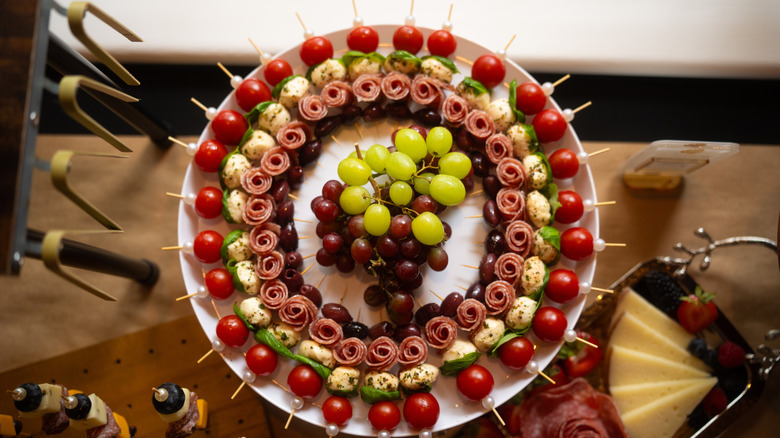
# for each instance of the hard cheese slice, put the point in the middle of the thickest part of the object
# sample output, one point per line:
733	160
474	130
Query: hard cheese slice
629	397
629	367
650	315
50	401
662	417
97	415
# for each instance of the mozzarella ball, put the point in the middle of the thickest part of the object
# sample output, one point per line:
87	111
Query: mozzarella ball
380	380
317	353
239	249
521	140
459	349
543	249
245	271
236	200
536	170
521	314
328	71
284	333
533	275
486	336
402	66
362	67
537	208
294	90
501	112
433	68
255	312
235	166
343	379
274	118
257	145
418	377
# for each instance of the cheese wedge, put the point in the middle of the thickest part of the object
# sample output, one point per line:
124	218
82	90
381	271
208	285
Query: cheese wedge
96	416
203	411
629	367
650	315
50	402
632	333
124	429
178	415
629	397
662	417
7	426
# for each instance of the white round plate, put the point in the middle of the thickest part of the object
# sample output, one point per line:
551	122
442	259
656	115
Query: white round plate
462	250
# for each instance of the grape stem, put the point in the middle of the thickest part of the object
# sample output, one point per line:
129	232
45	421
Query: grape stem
370	179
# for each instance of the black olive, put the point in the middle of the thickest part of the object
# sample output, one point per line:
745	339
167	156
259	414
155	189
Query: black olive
292	279
312	293
279	190
32	397
495	242
336	312
170	404
480	163
350	113
427	116
293	259
384	328
295	176
404	331
490	213
426	313
487	268
285	212
326	126
309	152
373	112
449	306
492	185
288	237
83	406
355	329
477	292
398	111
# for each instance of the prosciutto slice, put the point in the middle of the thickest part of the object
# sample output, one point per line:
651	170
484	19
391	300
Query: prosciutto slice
427	91
350	352
509	268
499	297
312	108
470	314
270	266
337	94
255	181
480	124
186	425
273	293
259	209
440	332
368	87
454	109
520	237
326	331
298	311
511	172
275	161
293	135
396	86
511	204
110	429
382	353
262	240
413	351
56	423
498	146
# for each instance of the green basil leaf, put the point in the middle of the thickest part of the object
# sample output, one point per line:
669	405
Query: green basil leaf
246	137
240	314
225	209
507	336
278	88
376	57
519	116
453	367
537	296
311	69
550	191
473	86
254	114
407	392
265	337
445	61
551	236
547	166
231	267
343	392
352	56
401	57
222	167
228	240
533	145
372	395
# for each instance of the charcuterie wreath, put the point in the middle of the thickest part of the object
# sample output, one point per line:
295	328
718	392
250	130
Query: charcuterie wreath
386	238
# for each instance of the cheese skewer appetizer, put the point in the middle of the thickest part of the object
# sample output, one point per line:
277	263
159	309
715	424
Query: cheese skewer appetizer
180	408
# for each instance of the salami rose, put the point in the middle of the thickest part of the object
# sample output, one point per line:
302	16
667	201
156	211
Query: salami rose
413	351
262	240
382	353
186	425
337	94
480	124
368	87
455	109
427	91
325	331
350	352
293	135
273	293
396	85
298	311
275	161
498	146
471	314
511	204
110	429
312	108
270	266
259	209
511	172
520	237
440	332
255	181
499	296
509	267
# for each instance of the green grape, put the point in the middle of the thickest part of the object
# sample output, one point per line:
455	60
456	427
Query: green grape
376	220
401	193
411	143
355	200
456	164
353	171
439	141
422	183
399	166
376	156
354	154
427	228
447	190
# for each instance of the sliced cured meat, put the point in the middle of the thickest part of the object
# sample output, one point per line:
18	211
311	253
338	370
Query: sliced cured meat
56	423
498	146
186	425
413	351
454	109
396	86
337	94
350	352
511	204
312	108
262	240
270	266
273	293
293	135
273	227
509	267
511	173
259	209
325	331
298	311
499	297
275	161
440	332
382	353
470	314
427	91
520	237
255	181
480	124
108	430
368	87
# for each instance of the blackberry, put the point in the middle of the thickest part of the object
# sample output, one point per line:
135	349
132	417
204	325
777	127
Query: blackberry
660	289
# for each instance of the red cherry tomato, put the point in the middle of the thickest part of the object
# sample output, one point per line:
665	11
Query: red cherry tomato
549	324
232	331
530	98
475	382
276	70
516	353
219	283
489	70
384	415
585	360
571	208
421	410
564	163
207	245
304	382
208	203
562	286
576	243
229	127
549	126
337	410
408	38
316	50
209	155
251	92
442	43
261	359
363	38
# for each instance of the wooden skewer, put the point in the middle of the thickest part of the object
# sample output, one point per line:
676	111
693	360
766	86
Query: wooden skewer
541	373
449	16
343	294
377	128
301	220
280	385
411	10
320	283
174	195
615	244
510	42
239	389
560	81
418	301
600	151
599	204
582	107
360	133
477	192
336	140
224	69
354	8
436	295
205	356
501	420
479	243
469	266
255	46
590	344
599	289
309	256
293	196
304	237
474	217
292	412
462	287
186	296
304	29
177	141
464	60
169	248
307	269
320	164
200	105
357	318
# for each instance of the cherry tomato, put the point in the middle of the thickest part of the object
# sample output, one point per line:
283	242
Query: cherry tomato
304	381
276	70
384	415
209	155
576	243
421	410
516	353
261	359
316	50
337	410
549	324
363	38
408	38
530	98
564	163
489	70
571	208
207	246
442	43
208	203
219	283
475	382
229	127
585	360
251	92
562	286
232	331
549	126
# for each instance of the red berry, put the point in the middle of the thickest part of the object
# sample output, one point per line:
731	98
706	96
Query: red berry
730	355
714	402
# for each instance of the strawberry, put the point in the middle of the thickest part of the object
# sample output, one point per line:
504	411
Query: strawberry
697	311
730	355
714	402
